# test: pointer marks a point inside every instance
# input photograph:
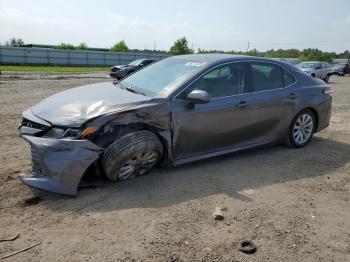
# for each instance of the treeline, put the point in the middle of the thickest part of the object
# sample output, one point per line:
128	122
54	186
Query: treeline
309	54
181	46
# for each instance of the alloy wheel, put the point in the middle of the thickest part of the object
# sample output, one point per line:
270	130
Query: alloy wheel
303	129
138	165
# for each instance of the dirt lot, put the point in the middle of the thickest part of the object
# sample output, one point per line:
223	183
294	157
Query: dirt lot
294	204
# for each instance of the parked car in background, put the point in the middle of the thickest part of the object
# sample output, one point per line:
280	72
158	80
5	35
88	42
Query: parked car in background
175	111
122	71
338	69
321	70
346	68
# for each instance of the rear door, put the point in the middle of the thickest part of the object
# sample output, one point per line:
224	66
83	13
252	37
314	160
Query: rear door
272	100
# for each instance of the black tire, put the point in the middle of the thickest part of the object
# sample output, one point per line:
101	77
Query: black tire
327	78
128	148
247	246
290	141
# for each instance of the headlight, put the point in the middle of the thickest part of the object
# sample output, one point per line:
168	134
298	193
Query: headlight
74	133
55	132
58	132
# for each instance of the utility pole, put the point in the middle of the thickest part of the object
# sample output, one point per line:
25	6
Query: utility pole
155	46
248	46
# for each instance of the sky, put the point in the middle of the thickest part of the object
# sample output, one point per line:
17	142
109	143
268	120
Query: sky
207	24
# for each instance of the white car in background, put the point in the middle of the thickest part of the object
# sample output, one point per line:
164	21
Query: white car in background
321	70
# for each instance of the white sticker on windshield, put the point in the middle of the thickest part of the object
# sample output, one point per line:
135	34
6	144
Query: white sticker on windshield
198	64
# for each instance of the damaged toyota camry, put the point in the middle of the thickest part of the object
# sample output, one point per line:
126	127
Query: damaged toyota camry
175	111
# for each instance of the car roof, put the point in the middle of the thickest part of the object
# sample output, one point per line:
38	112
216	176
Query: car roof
212	59
146	59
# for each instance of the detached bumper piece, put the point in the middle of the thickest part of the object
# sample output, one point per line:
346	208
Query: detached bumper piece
59	164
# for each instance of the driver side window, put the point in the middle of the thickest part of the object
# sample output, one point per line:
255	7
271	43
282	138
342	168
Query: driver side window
226	80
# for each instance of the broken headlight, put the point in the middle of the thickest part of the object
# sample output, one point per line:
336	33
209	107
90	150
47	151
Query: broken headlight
58	132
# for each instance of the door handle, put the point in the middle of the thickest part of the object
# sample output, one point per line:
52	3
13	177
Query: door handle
292	96
242	104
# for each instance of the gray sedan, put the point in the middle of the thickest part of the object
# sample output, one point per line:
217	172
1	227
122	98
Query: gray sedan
179	110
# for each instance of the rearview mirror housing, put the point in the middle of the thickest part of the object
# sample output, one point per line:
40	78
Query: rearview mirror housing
198	97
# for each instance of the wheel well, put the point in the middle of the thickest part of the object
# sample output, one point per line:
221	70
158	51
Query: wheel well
162	141
315	114
313	75
121	130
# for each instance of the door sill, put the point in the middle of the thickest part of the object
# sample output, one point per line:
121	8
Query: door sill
189	159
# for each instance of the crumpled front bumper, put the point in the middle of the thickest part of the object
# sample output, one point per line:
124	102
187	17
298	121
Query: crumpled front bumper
59	164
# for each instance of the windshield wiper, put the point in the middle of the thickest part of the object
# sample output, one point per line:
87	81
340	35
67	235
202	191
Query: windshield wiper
129	88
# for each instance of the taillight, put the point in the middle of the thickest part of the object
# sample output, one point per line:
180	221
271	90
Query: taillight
328	91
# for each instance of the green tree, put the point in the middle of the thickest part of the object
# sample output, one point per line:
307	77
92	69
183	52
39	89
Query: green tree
15	42
311	54
119	47
65	46
82	46
180	47
345	54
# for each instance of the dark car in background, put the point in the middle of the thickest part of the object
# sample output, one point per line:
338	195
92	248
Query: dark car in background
340	69
122	71
175	111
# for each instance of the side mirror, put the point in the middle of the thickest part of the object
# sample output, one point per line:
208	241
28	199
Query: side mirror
318	68
198	97
142	65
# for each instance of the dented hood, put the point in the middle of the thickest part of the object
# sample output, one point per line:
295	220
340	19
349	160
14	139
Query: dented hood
75	106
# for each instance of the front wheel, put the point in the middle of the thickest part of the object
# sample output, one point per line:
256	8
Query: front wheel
132	155
301	129
327	78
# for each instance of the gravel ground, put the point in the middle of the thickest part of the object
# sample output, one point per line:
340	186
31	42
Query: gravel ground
293	204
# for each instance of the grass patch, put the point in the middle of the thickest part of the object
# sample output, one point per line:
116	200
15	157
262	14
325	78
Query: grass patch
67	69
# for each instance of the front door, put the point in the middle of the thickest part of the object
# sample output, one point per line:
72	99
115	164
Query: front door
222	123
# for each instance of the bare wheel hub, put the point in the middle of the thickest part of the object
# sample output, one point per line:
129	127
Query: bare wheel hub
138	165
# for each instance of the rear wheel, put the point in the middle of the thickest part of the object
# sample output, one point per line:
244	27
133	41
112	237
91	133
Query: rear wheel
132	155
301	129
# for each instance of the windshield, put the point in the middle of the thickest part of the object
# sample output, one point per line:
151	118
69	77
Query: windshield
136	62
306	65
160	78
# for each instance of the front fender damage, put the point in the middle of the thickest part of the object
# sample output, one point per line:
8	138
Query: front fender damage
59	164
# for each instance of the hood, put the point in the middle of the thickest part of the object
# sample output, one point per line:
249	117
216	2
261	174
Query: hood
75	106
123	67
306	69
119	66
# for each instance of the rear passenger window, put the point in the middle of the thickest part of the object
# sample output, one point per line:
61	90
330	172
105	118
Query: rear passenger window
266	76
288	79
